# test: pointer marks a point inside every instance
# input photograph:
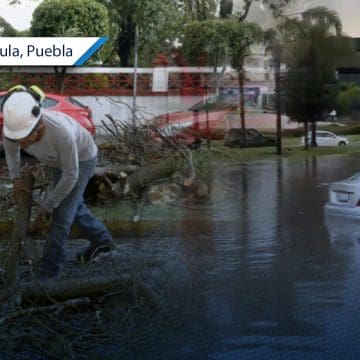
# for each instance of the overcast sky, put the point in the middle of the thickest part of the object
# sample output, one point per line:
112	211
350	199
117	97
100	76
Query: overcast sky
19	16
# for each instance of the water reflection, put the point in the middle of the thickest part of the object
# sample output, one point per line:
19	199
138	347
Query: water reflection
272	283
343	229
261	272
271	277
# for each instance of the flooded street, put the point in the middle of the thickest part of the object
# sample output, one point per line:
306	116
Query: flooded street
258	272
266	279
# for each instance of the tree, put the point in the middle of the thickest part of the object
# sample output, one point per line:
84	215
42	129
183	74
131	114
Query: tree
70	18
6	29
159	23
54	17
313	52
215	42
226	8
243	35
199	9
207	42
275	6
348	99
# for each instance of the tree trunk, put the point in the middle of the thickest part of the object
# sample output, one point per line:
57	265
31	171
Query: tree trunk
105	170
306	135
60	78
114	184
242	103
313	133
278	107
146	175
126	40
87	287
246	8
24	201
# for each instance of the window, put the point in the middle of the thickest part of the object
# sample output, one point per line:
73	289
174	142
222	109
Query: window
2	100
216	103
76	102
50	103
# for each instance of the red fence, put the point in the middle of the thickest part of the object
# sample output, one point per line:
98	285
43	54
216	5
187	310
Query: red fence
179	82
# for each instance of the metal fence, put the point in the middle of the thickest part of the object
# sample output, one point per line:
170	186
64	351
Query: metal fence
113	81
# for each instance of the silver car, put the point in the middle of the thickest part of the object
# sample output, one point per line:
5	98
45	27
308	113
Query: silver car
344	197
326	138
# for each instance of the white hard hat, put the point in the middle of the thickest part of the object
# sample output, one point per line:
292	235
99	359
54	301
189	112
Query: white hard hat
21	114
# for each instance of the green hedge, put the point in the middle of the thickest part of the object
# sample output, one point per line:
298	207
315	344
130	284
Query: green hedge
343	130
353	129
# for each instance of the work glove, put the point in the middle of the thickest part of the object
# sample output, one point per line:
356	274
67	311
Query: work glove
19	186
41	217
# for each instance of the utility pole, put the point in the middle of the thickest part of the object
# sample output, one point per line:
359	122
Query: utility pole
136	48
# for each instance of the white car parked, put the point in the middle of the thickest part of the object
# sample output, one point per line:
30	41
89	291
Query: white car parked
326	138
344	197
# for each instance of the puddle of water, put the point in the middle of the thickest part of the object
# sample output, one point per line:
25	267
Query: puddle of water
270	282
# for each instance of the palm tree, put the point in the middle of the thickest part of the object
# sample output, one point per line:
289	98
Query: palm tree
323	15
311	57
6	29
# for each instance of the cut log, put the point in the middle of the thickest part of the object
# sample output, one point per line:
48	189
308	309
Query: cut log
118	185
161	194
105	186
105	170
147	175
19	231
87	287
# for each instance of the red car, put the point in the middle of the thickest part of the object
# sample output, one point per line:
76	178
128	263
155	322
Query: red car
65	104
208	119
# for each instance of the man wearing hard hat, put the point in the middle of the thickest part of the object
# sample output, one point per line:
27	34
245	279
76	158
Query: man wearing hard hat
60	142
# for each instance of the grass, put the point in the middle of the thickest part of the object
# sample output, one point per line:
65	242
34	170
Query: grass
290	149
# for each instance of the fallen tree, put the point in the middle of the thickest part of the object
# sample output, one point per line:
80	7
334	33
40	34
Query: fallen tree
146	175
69	288
115	183
147	165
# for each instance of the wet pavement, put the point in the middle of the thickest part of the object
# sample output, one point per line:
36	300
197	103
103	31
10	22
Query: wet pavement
257	273
269	278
